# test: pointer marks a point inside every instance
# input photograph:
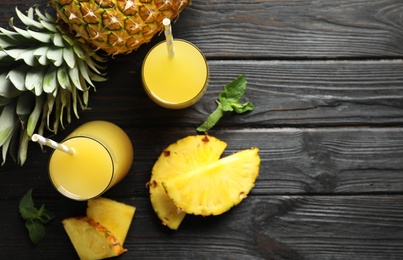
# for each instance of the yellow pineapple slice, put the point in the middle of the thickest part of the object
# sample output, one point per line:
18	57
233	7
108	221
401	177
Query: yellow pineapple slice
216	187
90	239
185	155
115	216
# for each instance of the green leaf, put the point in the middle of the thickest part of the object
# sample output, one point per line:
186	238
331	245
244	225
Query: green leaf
46	216
27	55
23	147
226	105
36	230
41	37
50	80
45	17
55	55
40	55
27	201
211	120
69	39
50	102
69	57
27	20
5	101
35	218
5	146
29	212
242	108
17	76
7	88
34	116
34	80
228	102
20	31
13	37
78	50
25	105
8	121
5	59
74	75
84	72
234	90
50	26
63	78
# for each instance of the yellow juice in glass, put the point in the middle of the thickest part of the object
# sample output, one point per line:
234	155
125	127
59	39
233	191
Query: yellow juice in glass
103	154
176	81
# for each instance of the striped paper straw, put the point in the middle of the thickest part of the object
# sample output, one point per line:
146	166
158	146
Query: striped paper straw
168	36
48	142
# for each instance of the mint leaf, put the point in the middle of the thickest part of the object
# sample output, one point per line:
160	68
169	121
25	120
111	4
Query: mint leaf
35	219
211	120
228	101
26	200
235	89
36	230
242	108
226	105
28	213
46	216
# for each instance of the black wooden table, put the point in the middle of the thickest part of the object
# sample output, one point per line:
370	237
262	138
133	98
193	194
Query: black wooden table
326	78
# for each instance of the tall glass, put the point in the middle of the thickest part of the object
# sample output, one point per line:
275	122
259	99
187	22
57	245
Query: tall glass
176	81
103	154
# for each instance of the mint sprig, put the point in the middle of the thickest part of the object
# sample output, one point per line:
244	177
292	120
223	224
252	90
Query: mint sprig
228	101
34	218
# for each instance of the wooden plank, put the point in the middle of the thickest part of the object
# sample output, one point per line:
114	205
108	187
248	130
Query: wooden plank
294	29
294	161
261	227
285	93
284	29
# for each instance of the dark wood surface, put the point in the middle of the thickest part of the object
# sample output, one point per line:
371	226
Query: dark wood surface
326	78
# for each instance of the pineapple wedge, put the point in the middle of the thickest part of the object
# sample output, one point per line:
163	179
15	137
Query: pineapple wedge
115	216
185	155
214	188
90	239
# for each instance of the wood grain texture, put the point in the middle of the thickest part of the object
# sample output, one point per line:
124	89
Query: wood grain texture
297	29
261	227
332	161
285	93
326	78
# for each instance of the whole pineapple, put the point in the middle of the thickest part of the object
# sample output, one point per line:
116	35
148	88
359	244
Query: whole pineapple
48	65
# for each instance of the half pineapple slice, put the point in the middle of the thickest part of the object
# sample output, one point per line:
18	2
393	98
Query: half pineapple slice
115	216
90	239
185	155
216	187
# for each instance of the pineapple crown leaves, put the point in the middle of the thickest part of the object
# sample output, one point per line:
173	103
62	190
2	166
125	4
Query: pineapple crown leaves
45	76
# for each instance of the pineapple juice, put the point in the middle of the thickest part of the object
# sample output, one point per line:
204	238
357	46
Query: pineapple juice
176	81
103	155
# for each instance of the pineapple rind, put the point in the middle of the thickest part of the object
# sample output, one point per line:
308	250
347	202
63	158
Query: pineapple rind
180	157
90	239
115	216
215	188
117	26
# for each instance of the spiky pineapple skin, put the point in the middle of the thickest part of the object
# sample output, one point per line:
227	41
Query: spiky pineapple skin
117	26
91	239
115	216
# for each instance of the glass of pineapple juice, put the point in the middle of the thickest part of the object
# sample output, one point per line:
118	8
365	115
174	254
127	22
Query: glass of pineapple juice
103	154
176	81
